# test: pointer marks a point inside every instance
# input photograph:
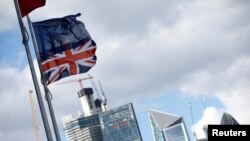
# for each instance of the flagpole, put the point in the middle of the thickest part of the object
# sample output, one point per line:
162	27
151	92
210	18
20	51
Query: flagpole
38	92
47	95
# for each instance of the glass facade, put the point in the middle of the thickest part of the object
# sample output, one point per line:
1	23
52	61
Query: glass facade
156	130
120	124
90	128
227	119
117	124
88	121
72	129
167	127
175	133
83	128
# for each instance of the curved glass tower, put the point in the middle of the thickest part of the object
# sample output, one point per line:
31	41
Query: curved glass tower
227	119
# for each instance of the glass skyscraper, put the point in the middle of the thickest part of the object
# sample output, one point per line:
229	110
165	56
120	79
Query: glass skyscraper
167	127
86	127
120	124
82	128
99	124
227	119
117	124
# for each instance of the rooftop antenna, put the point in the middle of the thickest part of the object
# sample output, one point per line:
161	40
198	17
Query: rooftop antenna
103	95
205	127
192	118
204	102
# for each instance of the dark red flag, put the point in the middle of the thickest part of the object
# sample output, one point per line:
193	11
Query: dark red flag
26	6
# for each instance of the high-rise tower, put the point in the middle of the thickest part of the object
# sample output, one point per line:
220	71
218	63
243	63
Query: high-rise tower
120	124
85	127
97	123
89	105
167	127
227	119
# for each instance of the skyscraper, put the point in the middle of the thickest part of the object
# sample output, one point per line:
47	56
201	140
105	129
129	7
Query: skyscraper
82	128
120	124
167	127
99	124
85	127
227	119
71	128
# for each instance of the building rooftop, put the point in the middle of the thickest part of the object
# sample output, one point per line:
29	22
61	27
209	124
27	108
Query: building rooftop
227	119
163	119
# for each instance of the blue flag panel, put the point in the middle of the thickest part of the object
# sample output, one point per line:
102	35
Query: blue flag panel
65	47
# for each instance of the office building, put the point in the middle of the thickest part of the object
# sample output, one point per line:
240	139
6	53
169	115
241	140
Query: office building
82	128
120	124
227	119
86	126
99	124
71	128
89	105
167	127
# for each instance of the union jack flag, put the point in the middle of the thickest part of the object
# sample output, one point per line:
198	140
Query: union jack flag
65	47
71	61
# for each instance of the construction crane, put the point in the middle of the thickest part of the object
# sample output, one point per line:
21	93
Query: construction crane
92	81
103	97
36	126
76	80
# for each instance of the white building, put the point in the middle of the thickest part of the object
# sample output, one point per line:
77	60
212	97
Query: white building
85	127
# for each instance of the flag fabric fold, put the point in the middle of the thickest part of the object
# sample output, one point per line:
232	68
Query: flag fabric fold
26	6
65	47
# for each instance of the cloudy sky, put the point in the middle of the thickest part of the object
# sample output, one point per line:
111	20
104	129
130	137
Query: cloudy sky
162	54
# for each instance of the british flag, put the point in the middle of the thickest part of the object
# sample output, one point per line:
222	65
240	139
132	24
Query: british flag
70	62
65	47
